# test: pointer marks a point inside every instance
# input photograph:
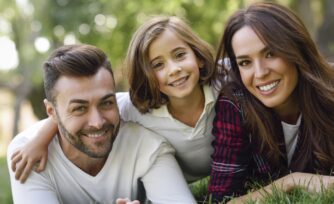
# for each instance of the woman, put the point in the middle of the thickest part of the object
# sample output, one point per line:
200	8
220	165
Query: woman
275	114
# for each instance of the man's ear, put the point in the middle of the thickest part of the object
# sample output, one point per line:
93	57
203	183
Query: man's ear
50	110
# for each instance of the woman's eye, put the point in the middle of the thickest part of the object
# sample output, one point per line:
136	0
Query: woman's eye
269	54
243	63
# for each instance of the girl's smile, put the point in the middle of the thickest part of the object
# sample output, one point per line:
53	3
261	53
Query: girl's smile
175	65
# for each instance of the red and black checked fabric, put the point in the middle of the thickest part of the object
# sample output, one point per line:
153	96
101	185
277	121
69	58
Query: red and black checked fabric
236	158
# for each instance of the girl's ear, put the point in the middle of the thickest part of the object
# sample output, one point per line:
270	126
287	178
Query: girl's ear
50	110
200	63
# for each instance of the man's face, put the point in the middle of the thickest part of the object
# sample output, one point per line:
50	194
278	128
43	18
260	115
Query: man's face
87	113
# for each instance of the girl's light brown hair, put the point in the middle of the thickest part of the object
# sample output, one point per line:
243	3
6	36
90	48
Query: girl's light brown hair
284	33
144	88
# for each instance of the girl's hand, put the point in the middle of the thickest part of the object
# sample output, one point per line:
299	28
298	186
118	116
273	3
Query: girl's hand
34	154
29	157
126	201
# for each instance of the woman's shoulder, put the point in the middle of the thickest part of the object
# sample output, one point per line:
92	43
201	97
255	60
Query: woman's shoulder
232	98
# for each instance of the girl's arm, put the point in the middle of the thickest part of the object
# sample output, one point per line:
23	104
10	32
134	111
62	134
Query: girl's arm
34	154
311	182
126	201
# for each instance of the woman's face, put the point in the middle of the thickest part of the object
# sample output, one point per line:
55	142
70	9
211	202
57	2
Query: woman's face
270	78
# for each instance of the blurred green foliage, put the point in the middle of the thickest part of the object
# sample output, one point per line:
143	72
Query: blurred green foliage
5	191
110	25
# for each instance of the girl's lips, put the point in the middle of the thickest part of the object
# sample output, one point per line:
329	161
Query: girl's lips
179	81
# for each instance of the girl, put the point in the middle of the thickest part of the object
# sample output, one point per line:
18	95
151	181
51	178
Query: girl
275	114
171	76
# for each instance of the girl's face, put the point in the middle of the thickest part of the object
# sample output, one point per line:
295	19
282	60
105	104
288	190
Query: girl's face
270	78
175	66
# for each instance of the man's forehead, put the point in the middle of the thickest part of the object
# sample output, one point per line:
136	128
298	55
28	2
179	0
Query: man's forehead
94	87
80	99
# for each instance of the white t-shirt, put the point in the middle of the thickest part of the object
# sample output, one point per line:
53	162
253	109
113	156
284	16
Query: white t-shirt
137	155
290	132
192	145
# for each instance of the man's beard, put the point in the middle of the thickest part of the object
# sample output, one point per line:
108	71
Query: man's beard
104	148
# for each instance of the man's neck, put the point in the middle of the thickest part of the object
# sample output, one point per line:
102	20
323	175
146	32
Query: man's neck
90	165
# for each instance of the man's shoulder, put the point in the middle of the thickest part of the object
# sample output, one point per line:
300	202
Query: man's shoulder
138	132
134	136
135	141
24	136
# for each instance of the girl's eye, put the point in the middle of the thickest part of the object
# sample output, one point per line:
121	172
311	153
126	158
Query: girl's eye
157	65
180	54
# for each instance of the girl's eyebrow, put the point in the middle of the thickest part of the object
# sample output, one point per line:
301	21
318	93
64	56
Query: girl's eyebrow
173	50
179	48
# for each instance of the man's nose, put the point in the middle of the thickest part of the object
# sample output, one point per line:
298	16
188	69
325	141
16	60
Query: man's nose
96	119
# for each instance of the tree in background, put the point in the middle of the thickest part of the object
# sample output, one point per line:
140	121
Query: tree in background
110	25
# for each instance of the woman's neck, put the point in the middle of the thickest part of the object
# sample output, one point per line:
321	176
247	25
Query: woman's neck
289	112
188	110
290	118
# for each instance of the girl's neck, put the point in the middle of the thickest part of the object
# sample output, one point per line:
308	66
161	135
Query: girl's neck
188	110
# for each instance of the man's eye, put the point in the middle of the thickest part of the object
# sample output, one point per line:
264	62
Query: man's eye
79	109
107	104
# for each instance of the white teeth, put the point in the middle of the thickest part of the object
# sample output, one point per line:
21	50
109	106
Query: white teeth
96	134
179	81
268	87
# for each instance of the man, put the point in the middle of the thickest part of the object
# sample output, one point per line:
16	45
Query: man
95	157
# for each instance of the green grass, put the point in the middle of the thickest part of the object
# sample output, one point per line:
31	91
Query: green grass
296	196
5	191
199	189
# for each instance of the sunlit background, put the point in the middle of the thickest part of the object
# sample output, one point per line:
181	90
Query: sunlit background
30	29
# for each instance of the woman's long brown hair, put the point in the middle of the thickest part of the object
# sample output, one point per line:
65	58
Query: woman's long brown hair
283	32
